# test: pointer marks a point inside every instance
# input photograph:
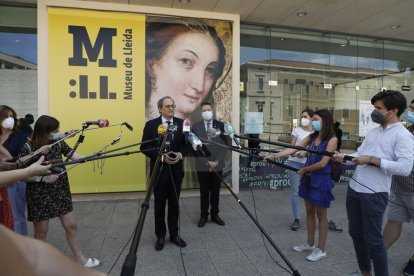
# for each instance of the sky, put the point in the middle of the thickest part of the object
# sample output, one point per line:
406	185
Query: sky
20	45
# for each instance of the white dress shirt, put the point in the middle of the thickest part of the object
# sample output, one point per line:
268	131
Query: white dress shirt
395	146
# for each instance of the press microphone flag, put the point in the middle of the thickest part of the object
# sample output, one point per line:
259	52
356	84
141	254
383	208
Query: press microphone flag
99	122
186	125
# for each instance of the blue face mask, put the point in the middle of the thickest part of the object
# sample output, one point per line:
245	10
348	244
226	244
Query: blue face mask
317	125
410	116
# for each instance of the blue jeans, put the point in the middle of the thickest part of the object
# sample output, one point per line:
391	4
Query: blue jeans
294	180
365	214
17	195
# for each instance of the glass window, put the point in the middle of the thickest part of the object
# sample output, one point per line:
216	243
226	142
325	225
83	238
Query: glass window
307	89
18	59
260	83
345	113
290	111
260	106
303	61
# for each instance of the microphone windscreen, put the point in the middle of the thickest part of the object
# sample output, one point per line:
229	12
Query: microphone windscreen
103	122
228	129
161	129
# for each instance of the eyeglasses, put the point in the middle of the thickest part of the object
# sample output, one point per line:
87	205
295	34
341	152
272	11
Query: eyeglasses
169	106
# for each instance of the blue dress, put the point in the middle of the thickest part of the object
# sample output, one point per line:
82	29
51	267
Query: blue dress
319	192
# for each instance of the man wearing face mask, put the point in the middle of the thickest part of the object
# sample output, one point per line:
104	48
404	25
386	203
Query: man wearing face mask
209	169
387	150
402	193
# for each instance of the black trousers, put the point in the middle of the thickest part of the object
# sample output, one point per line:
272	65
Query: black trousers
167	189
210	185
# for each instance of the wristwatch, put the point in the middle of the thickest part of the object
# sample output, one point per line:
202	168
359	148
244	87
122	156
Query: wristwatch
39	179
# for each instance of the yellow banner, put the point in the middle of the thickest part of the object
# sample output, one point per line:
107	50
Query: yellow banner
97	70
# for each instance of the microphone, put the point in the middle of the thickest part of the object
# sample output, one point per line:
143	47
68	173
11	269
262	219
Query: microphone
128	126
194	141
161	129
172	128
212	132
99	122
230	131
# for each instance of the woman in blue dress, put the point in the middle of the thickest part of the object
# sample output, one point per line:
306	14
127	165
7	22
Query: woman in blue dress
316	182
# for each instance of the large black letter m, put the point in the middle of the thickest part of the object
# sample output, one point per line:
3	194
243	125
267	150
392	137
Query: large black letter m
103	40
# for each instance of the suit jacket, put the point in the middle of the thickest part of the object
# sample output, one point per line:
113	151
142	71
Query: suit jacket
177	144
217	152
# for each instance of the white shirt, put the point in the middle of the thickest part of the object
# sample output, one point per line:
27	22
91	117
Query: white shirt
164	121
395	146
300	134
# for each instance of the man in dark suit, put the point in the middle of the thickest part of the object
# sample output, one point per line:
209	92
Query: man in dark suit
206	167
170	173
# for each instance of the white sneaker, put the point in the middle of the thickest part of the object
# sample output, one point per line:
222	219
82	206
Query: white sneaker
316	255
303	248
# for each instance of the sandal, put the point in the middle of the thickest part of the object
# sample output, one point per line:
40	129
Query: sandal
92	262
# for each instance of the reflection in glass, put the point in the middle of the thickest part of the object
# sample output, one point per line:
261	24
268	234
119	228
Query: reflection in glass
318	71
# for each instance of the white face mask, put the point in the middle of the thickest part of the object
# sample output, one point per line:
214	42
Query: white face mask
304	121
55	136
207	115
8	123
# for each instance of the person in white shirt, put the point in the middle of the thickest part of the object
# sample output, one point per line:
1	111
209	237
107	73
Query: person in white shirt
298	162
387	150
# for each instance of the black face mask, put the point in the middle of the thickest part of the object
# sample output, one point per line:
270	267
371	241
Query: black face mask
378	117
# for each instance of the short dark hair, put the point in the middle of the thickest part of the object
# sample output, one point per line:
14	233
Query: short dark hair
412	101
391	99
204	103
337	124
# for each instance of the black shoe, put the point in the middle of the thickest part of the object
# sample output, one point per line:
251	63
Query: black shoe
295	225
202	222
334	228
178	241
159	244
218	220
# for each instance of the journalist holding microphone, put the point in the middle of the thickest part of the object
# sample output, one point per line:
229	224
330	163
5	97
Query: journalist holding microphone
170	174
386	150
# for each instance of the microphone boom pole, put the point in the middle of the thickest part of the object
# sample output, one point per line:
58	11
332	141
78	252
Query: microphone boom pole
128	268
323	152
250	154
256	222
